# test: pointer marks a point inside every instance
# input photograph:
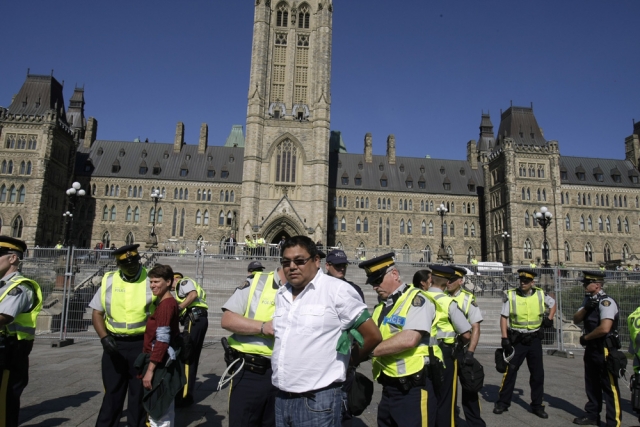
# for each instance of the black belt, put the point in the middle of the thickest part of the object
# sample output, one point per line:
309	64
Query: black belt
201	312
255	359
414	380
311	393
128	338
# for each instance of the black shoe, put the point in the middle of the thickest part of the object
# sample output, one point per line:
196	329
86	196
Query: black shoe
184	402
498	409
540	412
586	421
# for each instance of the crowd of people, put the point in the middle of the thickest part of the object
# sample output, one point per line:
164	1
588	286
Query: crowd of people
298	335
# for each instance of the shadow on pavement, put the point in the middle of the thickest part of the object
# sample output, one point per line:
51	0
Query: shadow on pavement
51	422
55	405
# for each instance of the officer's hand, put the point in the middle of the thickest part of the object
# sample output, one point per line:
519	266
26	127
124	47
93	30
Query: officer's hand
591	304
468	358
267	329
506	345
583	341
110	345
547	323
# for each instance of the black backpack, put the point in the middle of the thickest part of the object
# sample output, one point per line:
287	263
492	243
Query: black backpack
472	376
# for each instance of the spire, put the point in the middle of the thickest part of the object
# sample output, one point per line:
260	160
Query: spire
236	137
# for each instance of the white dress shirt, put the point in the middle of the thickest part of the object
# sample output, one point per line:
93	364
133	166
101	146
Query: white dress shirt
307	330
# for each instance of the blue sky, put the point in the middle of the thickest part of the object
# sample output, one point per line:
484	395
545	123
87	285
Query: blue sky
423	71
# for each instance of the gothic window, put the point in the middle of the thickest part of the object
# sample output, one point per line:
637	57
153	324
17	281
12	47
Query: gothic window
453	207
539	197
384	204
221	219
135	191
427	254
431	207
366	225
600	226
3	194
607	252
619	225
130	192
10	141
301	73
229	219
465	229
152	214
198	195
279	70
424	228
343	224
182	218
410	205
528	253
128	216
625	252
206	218
113	213
597	200
136	214
181	194
473	208
544	195
380	232
22	168
16	227
304	17
208	195
12	194
473	229
402	226
526	219
528	194
430	228
388	230
589	223
282	16
625	201
452	229
366	203
198	217
28	171
358	225
608	224
105	213
400	204
226	196
4	167
232	197
445	228
606	199
286	161
562	198
567	251
581	223
626	225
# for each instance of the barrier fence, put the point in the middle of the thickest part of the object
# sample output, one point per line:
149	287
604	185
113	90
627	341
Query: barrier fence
70	277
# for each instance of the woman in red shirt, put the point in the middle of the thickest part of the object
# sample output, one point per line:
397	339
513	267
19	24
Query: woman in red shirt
162	328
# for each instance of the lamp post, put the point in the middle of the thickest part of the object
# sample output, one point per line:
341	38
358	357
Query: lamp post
544	219
156	196
442	253
73	193
505	235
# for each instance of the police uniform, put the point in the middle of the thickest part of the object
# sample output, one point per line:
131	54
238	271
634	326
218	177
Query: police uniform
252	395
408	397
195	320
599	383
470	400
525	314
451	324
633	323
21	299
126	304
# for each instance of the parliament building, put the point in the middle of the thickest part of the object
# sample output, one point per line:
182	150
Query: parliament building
287	173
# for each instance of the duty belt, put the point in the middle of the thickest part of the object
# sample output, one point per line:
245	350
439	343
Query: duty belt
312	393
200	312
128	338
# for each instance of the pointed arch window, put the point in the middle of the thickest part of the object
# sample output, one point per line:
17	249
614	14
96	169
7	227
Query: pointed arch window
527	222
473	208
286	161
582	227
206	217
22	168
409	227
343	224
445	228
12	194
388	231
182	218
105	213
229	219
357	202
282	16
430	228
402	226
589	223
10	167
130	192
113	213
28	171
473	229
625	252
198	217
335	223
600	225
567	251
221	219
22	194
232	197
366	203
16	227
130	240
470	255
159	220
128	215
365	225
619	225
304	17
358	225
136	214
452	230
608	224
152	214
626	225
528	253
588	252
465	229
3	193
222	196
607	252
4	167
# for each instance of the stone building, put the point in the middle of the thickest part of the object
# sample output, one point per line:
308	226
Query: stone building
293	175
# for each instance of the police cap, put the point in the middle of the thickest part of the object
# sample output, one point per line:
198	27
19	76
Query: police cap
527	273
11	244
127	253
592	276
442	271
459	271
177	275
255	266
377	267
337	256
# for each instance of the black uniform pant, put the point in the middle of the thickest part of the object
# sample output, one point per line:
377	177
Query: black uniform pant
416	407
600	383
533	354
252	400
470	402
13	380
446	392
197	332
347	417
119	376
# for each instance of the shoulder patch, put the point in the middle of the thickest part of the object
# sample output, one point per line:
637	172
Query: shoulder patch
244	286
418	301
474	303
606	303
15	291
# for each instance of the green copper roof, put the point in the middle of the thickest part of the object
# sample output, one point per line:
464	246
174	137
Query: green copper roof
236	137
336	144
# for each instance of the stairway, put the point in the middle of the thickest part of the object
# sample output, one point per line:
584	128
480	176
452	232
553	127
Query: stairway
490	334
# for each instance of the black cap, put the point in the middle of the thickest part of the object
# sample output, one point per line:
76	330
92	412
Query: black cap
442	271
377	267
255	266
177	274
321	254
127	253
592	276
337	256
11	244
459	271
527	273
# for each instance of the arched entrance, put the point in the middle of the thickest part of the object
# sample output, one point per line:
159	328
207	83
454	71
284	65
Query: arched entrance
282	226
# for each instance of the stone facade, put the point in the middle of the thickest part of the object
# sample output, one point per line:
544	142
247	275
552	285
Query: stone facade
293	175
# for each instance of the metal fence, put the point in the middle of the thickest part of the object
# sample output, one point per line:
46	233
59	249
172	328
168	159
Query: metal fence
70	278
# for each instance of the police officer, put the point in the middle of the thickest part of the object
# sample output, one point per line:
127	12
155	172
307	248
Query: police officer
120	311
599	313
407	319
247	314
192	303
20	303
467	303
253	268
523	316
633	323
451	325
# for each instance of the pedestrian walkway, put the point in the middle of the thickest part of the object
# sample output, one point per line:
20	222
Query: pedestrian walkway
65	389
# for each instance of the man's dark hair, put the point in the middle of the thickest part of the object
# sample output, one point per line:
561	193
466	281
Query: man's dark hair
420	276
162	271
302	241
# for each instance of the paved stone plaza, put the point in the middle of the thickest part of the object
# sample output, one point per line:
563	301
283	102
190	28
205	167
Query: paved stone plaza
65	389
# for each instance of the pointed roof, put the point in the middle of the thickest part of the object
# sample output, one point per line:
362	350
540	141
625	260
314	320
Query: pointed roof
75	113
487	139
520	124
37	95
336	143
236	137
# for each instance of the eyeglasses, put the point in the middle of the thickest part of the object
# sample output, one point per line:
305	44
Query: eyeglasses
379	280
286	263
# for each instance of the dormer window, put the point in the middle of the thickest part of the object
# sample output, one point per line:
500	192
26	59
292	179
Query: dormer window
442	170
360	166
224	174
381	166
143	154
599	177
142	170
401	168
276	114
115	167
339	164
472	187
156	170
422	185
446	184
616	178
421	169
345	179
581	176
384	182
100	151
121	153
409	183
188	157
184	172
165	155
88	166
211	173
462	172
358	180
564	175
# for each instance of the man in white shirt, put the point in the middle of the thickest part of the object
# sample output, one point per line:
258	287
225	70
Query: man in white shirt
313	312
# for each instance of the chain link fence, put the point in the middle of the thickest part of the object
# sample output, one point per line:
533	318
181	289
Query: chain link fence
69	278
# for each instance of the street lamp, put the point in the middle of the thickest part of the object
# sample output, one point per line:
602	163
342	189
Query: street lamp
73	193
442	253
505	235
156	196
544	219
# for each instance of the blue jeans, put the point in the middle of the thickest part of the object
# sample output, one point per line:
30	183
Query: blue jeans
318	409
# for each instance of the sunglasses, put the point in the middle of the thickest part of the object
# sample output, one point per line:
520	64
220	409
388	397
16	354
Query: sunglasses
379	280
286	263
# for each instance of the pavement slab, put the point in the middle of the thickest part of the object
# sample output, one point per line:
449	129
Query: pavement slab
65	389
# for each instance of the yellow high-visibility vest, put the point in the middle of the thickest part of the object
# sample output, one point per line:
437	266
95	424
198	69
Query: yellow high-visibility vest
201	299
23	326
526	312
127	305
446	332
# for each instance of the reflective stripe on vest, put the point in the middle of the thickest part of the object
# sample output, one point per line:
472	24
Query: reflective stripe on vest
408	361
526	312
23	326
633	322
201	299
263	294
127	305
446	331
